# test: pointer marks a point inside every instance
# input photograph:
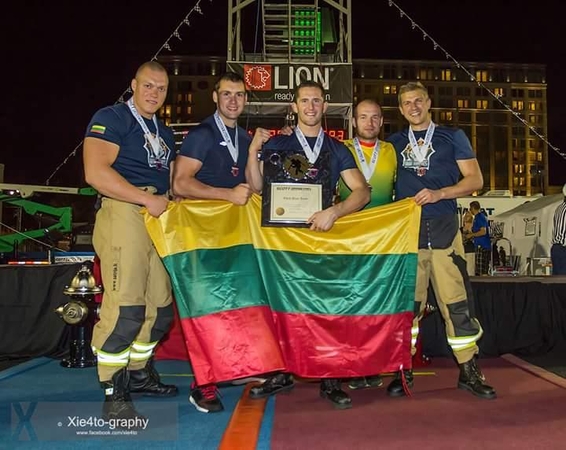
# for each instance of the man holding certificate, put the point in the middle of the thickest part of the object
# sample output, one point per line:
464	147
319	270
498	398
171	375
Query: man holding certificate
297	175
303	169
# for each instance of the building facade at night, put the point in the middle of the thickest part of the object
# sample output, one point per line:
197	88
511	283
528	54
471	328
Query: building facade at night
513	158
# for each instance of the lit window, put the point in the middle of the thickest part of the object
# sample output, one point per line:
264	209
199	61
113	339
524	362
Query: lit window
463	103
387	89
498	92
481	104
517	105
532	106
446	75
481	75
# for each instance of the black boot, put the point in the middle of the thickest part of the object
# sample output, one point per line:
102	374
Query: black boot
147	382
117	401
472	380
396	387
330	389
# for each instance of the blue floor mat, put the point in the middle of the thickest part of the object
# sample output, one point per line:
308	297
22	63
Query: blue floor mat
46	406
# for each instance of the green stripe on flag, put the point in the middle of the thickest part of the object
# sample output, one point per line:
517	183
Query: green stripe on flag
219	280
215	280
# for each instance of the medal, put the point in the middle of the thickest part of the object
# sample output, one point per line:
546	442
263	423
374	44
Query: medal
312	154
420	150
367	169
232	148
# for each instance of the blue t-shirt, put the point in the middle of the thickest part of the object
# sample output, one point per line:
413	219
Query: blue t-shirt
480	221
448	146
205	143
340	157
136	161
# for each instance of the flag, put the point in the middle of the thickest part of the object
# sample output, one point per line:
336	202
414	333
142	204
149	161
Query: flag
255	299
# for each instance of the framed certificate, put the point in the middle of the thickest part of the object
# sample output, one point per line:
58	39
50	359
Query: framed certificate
293	189
294	203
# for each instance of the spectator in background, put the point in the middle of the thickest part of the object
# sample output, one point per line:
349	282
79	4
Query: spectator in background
469	248
558	249
482	241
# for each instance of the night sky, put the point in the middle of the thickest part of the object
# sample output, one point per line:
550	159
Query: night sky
61	62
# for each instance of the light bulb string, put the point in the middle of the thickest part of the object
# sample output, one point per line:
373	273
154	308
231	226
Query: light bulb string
436	46
176	34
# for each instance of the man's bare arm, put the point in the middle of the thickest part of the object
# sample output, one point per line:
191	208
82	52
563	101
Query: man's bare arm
186	185
472	181
98	157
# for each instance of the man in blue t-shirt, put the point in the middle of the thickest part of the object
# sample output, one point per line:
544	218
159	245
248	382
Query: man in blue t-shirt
328	160
127	159
482	241
211	165
437	165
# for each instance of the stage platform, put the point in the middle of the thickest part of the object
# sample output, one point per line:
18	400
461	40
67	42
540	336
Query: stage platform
41	404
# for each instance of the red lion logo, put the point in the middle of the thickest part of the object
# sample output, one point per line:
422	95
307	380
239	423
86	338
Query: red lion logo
258	78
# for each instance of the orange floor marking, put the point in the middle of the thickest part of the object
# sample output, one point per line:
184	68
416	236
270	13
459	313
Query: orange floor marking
242	433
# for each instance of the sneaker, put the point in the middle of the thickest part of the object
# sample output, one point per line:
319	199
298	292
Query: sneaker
274	384
205	398
365	382
330	389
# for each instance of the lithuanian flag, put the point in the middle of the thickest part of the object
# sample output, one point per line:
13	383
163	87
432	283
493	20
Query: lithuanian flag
255	299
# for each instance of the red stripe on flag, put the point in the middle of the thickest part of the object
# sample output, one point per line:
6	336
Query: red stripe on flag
232	344
331	346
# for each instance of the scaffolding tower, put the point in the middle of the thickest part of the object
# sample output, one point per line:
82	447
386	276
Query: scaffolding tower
280	43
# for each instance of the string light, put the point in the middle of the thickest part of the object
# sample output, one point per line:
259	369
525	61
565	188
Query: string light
436	46
166	46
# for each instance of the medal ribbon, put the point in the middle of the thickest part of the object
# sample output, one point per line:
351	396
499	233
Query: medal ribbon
312	154
420	150
153	140
233	149
367	170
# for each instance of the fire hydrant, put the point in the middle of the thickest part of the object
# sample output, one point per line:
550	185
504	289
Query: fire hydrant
80	313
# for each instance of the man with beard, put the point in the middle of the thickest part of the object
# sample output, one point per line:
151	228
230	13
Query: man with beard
377	160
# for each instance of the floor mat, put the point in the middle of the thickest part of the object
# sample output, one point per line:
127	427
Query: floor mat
46	406
528	414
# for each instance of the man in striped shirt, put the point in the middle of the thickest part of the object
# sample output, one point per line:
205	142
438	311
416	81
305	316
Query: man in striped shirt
558	249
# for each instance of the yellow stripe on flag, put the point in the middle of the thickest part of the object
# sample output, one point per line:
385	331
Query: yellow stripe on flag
198	224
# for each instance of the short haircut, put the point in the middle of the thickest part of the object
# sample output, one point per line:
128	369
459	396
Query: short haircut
229	76
309	84
475	205
151	65
410	87
371	101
